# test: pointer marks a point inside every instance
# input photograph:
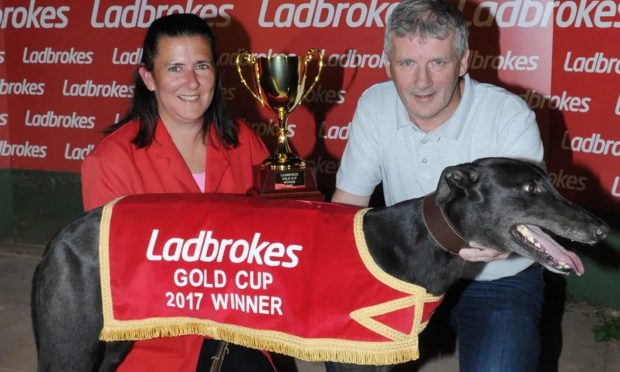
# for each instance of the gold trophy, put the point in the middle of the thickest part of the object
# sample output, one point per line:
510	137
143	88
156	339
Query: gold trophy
280	82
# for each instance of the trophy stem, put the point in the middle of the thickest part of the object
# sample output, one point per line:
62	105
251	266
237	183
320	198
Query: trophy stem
283	157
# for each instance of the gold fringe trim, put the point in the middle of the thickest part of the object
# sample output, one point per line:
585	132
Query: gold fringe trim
313	350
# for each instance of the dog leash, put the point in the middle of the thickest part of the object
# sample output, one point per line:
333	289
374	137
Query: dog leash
440	228
218	358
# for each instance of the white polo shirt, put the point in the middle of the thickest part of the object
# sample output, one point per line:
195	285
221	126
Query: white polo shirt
385	146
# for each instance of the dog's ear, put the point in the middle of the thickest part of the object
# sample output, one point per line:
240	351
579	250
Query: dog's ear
458	180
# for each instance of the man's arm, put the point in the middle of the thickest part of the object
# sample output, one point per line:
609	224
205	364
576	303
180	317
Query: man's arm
344	197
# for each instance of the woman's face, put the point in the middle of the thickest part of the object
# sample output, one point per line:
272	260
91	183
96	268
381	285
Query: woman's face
183	79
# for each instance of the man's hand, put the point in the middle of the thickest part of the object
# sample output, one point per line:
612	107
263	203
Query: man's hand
478	253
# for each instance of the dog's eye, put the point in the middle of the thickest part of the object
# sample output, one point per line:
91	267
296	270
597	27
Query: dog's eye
531	187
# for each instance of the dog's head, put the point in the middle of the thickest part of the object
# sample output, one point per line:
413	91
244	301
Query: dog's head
511	206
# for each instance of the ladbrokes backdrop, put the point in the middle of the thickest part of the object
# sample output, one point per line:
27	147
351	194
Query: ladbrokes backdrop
66	73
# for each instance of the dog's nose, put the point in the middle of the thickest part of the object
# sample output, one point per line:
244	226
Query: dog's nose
601	231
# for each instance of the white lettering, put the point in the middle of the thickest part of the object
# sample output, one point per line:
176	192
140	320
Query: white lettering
126	58
508	62
597	64
53	120
142	12
206	248
322	14
20	88
34	16
50	56
199	278
25	150
77	153
615	190
563	102
335	132
566	181
256	304
543	13
268	129
90	89
594	144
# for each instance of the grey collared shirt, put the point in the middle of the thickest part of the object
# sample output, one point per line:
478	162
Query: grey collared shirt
385	146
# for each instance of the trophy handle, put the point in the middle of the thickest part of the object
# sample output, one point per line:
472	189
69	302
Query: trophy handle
245	56
311	55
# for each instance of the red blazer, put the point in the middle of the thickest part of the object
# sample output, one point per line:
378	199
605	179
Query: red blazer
116	168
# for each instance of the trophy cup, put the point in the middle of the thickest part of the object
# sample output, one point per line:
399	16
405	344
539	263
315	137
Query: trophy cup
280	82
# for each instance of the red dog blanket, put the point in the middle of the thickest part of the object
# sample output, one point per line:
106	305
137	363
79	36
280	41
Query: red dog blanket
294	277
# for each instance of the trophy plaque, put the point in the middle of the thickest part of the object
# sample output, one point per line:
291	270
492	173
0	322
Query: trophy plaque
280	82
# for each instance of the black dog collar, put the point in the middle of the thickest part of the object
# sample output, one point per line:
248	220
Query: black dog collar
440	228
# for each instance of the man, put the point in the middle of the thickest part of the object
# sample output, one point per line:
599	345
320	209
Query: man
429	116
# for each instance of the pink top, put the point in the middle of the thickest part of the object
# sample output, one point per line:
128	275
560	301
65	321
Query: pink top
200	180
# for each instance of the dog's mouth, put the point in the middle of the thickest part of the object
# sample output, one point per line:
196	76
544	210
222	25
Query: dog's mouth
550	254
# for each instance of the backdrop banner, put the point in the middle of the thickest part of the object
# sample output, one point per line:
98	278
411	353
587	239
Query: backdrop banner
66	72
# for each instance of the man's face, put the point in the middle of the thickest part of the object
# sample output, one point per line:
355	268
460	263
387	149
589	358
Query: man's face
426	74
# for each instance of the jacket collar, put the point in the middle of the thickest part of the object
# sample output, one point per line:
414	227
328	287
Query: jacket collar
216	164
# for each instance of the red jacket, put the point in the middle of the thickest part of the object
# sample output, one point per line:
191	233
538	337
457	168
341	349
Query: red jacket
116	168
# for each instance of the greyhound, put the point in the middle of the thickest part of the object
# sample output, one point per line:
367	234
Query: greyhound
501	203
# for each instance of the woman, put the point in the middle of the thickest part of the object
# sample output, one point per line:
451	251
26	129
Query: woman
176	138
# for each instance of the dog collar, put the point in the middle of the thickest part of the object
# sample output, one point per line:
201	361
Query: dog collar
440	228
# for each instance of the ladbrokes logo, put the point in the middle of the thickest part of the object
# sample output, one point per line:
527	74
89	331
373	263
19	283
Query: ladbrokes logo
324	95
33	16
91	89
53	120
51	56
264	129
595	144
543	13
615	189
21	88
508	62
207	248
563	180
563	102
22	150
126	57
77	152
321	14
143	12
599	63
324	166
334	132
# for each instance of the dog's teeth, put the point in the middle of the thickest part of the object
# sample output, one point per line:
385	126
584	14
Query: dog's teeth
563	265
525	232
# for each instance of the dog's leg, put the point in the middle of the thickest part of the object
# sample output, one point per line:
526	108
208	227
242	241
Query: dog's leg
115	352
66	300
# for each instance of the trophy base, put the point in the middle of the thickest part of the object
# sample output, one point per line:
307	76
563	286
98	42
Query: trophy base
293	183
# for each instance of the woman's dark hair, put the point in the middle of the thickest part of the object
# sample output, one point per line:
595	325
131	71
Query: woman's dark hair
144	104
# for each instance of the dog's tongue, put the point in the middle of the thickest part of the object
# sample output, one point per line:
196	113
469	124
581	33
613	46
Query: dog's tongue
557	251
